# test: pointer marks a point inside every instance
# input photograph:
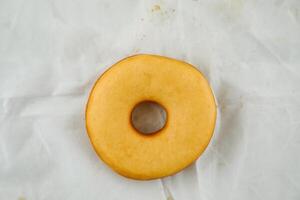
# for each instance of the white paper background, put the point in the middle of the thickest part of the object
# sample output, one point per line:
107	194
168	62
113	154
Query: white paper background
51	52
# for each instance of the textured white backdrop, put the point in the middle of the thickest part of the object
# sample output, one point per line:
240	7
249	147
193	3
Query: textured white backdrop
51	52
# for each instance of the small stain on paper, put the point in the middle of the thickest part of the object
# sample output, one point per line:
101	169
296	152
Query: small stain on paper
21	198
161	13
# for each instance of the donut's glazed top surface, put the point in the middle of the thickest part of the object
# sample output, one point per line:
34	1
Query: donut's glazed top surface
179	87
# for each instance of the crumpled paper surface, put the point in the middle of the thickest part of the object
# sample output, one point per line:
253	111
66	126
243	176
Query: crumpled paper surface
52	51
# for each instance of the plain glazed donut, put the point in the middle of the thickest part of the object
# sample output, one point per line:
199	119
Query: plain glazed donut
179	87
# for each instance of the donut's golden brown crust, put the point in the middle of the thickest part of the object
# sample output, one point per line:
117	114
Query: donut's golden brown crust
179	87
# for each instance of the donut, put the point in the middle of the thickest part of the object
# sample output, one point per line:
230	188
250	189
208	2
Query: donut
175	85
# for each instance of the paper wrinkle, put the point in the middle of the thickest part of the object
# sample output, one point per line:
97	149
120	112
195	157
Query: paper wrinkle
51	54
166	190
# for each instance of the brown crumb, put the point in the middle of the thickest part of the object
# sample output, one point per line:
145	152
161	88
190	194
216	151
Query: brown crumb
155	8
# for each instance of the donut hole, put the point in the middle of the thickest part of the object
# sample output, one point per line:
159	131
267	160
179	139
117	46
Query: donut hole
148	117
